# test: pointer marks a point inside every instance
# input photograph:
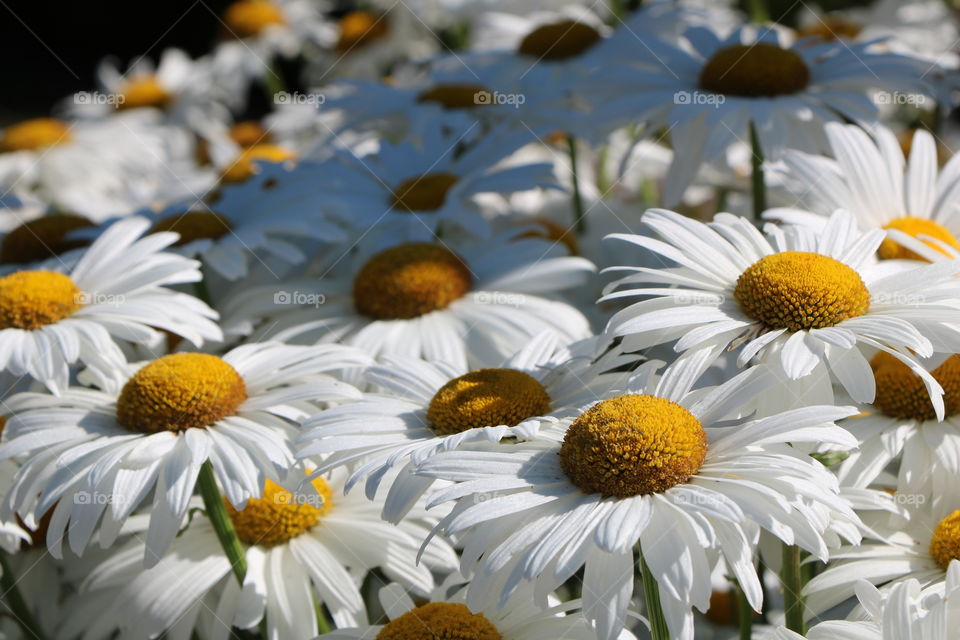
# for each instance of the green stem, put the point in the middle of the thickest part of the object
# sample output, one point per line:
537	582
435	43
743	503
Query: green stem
744	614
322	623
16	604
791	579
220	519
273	83
651	594
580	220
756	177
759	12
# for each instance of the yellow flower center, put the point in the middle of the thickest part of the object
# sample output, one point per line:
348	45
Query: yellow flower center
179	392
440	621
890	250
798	291
632	445
244	167
248	18
358	28
143	90
33	299
422	193
278	515
249	133
38	133
554	233
831	28
410	280
456	96
194	225
759	70
901	393
945	542
42	238
559	40
486	398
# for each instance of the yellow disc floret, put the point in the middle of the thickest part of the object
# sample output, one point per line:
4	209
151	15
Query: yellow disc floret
422	193
440	621
410	280
143	90
558	40
632	445
456	96
38	133
244	166
278	515
916	227
798	291
359	28
902	394
486	398
180	391
33	299
194	225
830	28
248	18
42	238
755	71
945	542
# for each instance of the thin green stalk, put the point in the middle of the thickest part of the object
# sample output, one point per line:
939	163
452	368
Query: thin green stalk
16	604
759	12
758	185
744	614
580	220
791	579
651	594
322	623
220	519
273	83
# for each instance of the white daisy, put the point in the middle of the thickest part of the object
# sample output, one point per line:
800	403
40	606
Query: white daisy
707	89
94	454
419	408
803	302
693	491
468	307
302	552
59	315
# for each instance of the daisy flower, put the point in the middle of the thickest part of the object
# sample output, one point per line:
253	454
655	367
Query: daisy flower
55	316
302	551
924	548
870	178
419	408
804	302
471	307
93	456
708	89
688	491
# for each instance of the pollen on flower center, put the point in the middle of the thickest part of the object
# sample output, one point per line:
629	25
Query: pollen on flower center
143	90
558	40
194	225
945	542
410	280
38	133
456	96
180	391
440	621
798	291
42	238
248	18
901	393
244	166
358	28
278	515
754	71
916	227
632	445
33	299
426	192
486	397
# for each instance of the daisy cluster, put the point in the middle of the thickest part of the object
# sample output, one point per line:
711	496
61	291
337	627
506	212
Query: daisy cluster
502	321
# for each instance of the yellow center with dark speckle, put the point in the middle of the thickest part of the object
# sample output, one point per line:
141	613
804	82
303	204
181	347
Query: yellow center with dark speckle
945	542
901	393
278	515
916	227
440	621
559	40
760	70
33	299
486	397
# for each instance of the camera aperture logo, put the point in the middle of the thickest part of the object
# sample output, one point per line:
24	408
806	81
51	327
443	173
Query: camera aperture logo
299	298
485	97
698	98
86	298
298	97
96	97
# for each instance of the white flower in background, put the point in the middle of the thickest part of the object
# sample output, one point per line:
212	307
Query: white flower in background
469	306
707	89
417	408
94	456
59	315
676	471
803	302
